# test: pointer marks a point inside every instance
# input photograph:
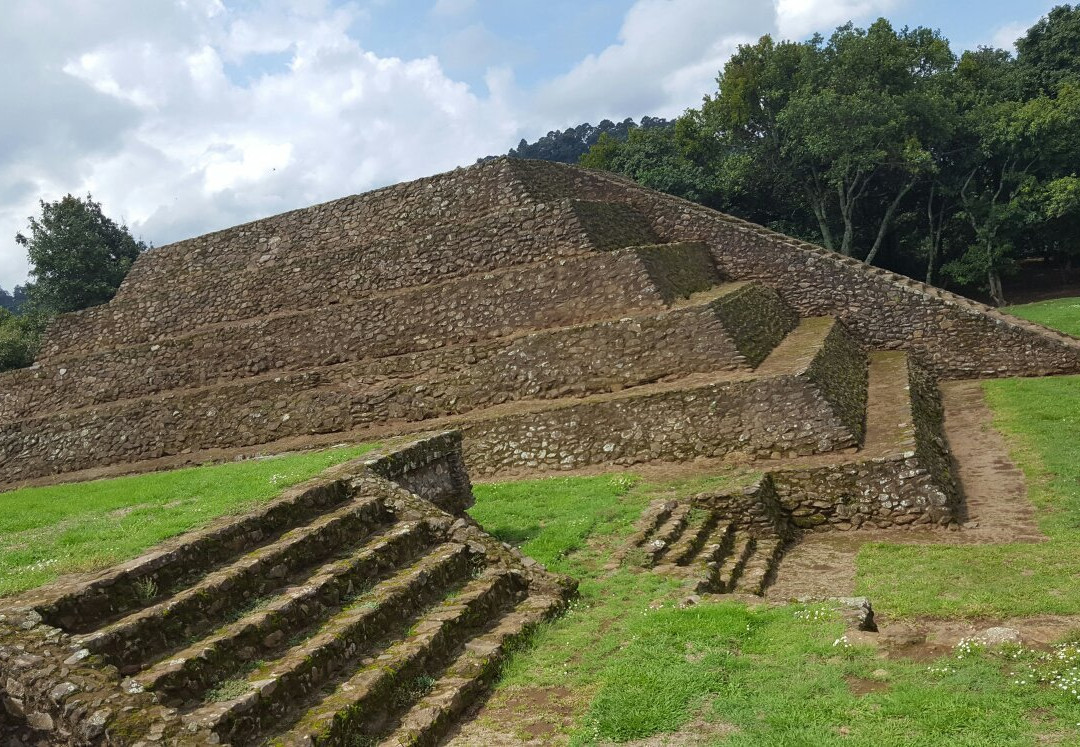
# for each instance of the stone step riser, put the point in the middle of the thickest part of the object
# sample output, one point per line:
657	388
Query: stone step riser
580	360
758	572
261	634
657	546
123	590
340	644
379	265
131	642
692	541
726	574
469	676
372	702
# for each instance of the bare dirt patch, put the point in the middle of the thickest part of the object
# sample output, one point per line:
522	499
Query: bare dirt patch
521	716
995	508
862	686
926	639
697	733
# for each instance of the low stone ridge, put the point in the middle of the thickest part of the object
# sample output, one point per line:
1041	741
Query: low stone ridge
556	319
347	607
466	292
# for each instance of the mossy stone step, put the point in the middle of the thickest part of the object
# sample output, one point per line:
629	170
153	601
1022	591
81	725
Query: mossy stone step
278	688
469	676
192	671
367	701
759	569
668	533
725	574
135	639
700	525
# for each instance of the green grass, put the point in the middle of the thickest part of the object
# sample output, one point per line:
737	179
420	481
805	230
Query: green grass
637	664
49	531
1061	313
1041	420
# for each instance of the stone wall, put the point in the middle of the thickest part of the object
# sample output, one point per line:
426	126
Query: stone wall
757	319
755	508
883	492
957	337
928	419
840	374
290	277
771	417
574	361
913	485
459	311
583	359
431	467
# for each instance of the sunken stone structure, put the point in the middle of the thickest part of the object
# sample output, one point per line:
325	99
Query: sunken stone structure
537	318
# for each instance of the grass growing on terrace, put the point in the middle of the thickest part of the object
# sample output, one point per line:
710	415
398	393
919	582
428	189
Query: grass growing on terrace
1041	419
1061	314
627	662
49	531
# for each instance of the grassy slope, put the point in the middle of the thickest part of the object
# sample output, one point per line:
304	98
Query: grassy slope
1041	418
630	662
49	531
1060	313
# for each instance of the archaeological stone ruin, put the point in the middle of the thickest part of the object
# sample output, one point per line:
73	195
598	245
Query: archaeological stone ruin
510	319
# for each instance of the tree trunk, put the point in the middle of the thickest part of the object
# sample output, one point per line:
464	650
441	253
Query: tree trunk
996	293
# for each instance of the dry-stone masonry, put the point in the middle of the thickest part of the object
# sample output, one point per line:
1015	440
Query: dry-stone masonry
309	621
501	299
544	318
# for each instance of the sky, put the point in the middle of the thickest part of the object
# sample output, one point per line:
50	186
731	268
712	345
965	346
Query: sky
186	116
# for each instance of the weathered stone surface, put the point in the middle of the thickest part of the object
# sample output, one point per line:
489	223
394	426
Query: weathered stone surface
93	665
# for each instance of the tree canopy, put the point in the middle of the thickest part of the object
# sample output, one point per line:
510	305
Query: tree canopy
78	258
885	145
78	255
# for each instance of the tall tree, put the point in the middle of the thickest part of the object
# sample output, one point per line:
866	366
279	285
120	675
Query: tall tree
1049	53
78	255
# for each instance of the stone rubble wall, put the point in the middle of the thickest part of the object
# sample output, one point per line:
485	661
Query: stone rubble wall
575	361
913	486
399	211
882	492
294	278
931	445
461	311
755	508
757	319
578	360
957	337
760	416
840	373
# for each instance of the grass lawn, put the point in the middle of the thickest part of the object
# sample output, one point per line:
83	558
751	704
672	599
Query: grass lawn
1041	419
1061	313
49	531
629	662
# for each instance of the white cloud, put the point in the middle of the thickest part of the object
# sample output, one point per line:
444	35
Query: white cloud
151	115
668	54
798	19
1005	37
452	7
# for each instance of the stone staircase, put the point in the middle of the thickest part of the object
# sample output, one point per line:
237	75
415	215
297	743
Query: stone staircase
350	611
706	547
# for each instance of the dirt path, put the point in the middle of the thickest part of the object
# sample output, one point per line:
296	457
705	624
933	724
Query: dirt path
995	508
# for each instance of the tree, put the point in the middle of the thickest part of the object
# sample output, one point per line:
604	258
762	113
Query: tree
78	255
653	157
13	301
19	338
845	124
1048	54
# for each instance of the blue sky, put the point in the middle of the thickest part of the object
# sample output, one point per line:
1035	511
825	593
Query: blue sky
186	116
